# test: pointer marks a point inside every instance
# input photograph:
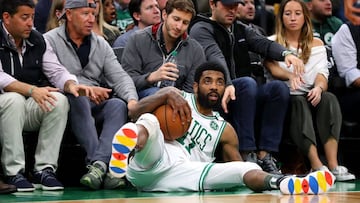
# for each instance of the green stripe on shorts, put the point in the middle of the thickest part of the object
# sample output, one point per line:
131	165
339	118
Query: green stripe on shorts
203	175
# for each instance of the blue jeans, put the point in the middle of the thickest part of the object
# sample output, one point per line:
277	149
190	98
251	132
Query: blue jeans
147	92
269	103
84	115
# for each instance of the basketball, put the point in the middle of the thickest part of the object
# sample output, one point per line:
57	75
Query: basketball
171	129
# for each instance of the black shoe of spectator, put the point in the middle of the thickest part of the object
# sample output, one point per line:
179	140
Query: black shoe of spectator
46	180
268	164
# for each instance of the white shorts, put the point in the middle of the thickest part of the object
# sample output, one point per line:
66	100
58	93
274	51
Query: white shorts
166	166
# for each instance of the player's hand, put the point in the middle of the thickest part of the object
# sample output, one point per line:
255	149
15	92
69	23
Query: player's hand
314	96
167	71
179	105
229	94
298	64
44	98
131	107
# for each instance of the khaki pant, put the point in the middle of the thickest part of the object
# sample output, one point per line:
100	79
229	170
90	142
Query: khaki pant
18	114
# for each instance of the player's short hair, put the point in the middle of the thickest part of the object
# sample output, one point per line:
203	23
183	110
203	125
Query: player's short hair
208	66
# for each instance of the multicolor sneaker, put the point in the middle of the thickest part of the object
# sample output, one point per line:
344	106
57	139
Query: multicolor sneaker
314	183
124	142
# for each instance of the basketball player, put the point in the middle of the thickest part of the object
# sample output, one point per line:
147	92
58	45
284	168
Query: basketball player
186	164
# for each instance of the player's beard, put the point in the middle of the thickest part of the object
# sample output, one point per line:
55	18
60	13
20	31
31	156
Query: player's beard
204	100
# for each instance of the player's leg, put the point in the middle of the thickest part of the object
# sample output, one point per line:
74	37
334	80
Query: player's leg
232	174
145	137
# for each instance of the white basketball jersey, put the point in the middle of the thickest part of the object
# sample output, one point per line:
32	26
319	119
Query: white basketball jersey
203	135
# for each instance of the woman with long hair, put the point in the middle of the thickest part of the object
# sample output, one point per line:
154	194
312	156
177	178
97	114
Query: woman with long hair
310	103
102	28
56	9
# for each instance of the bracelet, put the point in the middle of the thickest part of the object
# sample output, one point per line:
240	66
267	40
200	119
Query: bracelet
285	53
31	90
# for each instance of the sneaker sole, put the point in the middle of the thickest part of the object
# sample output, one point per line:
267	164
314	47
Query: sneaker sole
88	183
25	189
314	183
110	184
47	188
123	143
345	178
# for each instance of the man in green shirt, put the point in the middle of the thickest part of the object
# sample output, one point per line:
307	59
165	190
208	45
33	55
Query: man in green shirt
325	25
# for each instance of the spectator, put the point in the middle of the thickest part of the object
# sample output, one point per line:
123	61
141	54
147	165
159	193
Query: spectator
42	9
28	67
123	17
346	55
144	13
162	4
308	92
91	58
109	11
56	9
147	51
324	23
186	164
102	28
228	43
246	14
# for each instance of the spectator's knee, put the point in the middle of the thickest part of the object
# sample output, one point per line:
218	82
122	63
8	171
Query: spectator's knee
245	85
62	105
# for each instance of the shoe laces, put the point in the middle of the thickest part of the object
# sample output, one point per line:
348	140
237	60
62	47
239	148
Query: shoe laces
269	163
340	170
47	173
17	178
95	171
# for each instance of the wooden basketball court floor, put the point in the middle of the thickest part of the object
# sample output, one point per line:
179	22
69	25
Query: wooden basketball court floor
342	192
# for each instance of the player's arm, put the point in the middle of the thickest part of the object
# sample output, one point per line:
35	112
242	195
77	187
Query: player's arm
230	144
166	95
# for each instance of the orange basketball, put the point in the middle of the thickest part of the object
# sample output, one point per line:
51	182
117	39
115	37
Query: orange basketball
171	129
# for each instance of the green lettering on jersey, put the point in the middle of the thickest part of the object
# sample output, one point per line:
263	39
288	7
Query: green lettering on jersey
196	132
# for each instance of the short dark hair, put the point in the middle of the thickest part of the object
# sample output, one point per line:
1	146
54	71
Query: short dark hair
208	66
181	5
11	6
134	7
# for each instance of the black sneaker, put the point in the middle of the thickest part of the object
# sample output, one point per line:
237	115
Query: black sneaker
251	157
46	180
20	182
268	164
